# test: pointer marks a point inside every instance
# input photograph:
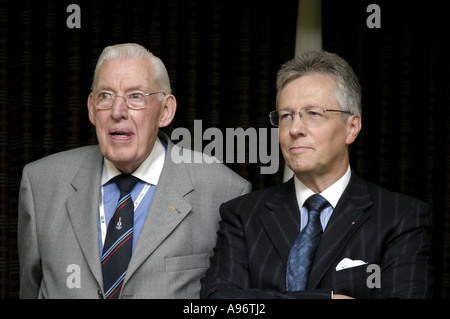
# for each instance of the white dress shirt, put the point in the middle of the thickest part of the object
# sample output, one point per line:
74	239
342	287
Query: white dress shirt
332	194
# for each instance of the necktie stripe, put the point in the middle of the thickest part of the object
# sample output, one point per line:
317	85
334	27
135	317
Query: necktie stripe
115	287
122	240
105	253
126	200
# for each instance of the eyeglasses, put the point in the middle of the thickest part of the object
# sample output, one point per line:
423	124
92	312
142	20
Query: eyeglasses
134	100
312	116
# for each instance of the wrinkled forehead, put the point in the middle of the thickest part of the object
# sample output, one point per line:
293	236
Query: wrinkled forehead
308	90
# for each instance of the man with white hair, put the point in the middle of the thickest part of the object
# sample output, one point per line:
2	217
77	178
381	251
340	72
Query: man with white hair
122	219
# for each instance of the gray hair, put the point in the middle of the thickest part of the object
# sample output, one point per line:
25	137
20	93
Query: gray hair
134	50
348	93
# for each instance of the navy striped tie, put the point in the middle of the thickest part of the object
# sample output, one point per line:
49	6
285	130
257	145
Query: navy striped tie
302	253
119	238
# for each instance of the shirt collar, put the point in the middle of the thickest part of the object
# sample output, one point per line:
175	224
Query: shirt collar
149	171
332	194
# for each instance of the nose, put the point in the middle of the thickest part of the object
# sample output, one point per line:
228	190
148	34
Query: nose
119	109
297	126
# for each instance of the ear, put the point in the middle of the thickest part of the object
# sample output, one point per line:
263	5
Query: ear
91	109
169	109
353	128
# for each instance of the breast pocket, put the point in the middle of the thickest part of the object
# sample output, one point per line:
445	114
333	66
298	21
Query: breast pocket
188	262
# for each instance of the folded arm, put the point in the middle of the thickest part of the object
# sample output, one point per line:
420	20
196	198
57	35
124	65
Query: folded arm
229	275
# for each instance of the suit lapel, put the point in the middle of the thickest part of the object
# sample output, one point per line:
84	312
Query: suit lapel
167	210
82	207
282	219
347	218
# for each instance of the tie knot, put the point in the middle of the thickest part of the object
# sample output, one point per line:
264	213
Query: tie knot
125	182
316	203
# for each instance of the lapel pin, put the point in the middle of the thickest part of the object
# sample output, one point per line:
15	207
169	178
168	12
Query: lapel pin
353	223
172	208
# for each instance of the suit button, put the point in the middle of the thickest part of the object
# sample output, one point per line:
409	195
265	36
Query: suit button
100	294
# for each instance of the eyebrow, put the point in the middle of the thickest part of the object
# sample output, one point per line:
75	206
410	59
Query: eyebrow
131	88
287	109
293	108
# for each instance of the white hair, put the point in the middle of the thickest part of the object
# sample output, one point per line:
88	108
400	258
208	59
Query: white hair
134	50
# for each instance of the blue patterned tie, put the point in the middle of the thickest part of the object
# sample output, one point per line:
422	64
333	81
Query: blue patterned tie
302	253
119	238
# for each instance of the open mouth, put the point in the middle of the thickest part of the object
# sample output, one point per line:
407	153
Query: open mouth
120	134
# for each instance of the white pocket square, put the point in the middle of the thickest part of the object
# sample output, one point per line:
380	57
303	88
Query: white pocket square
349	263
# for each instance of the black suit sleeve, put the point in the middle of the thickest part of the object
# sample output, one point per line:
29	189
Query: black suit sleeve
406	270
229	276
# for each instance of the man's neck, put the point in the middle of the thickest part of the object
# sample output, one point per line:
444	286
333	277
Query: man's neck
320	182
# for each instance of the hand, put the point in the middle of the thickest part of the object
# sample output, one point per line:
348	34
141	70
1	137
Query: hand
341	297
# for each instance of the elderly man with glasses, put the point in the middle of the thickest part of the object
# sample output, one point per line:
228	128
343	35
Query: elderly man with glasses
122	219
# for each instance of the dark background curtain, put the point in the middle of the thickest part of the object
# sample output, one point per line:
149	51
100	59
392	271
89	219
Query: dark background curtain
404	72
222	57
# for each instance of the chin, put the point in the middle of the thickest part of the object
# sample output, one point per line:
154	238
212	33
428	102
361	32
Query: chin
123	163
300	169
124	167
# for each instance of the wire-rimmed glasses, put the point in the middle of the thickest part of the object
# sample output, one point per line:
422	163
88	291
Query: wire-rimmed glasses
103	100
311	116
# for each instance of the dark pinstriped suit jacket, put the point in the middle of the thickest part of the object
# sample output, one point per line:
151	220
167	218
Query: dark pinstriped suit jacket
369	223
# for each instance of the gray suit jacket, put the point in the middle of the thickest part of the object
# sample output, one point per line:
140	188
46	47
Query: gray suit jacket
58	227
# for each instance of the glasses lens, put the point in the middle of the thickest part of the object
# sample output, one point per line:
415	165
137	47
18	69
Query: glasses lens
136	100
285	118
313	116
103	100
274	118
